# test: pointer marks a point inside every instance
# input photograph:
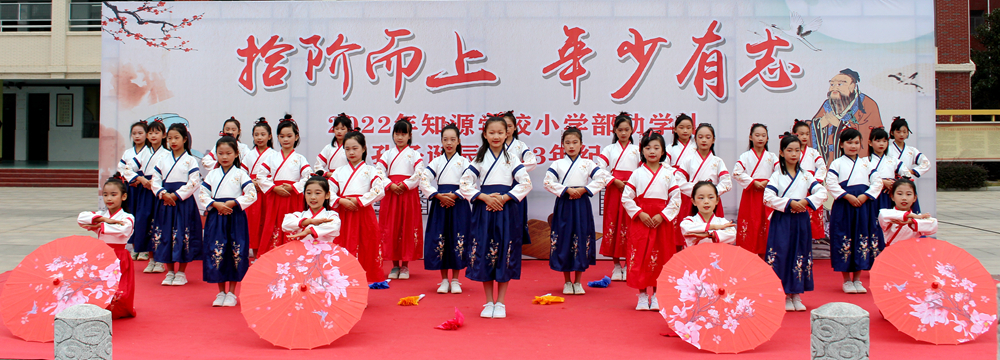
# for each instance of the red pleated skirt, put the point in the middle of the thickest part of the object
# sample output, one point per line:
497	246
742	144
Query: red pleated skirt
648	248
359	235
752	223
616	220
685	211
123	304
255	221
816	223
402	232
271	235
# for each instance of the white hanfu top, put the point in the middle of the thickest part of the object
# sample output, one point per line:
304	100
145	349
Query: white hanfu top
894	232
324	232
407	162
233	184
109	233
181	169
442	171
695	224
566	173
854	172
495	170
277	167
911	163
710	168
616	158
362	181
782	188
331	158
751	167
659	184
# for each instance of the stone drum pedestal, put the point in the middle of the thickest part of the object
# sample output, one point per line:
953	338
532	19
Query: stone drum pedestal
839	332
83	332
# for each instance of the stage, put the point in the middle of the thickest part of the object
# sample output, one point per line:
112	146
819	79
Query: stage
180	323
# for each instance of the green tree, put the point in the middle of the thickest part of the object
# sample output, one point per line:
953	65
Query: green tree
986	80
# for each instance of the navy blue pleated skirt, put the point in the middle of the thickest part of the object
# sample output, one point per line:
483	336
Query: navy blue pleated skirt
573	245
446	233
141	203
227	244
176	230
789	250
495	251
855	237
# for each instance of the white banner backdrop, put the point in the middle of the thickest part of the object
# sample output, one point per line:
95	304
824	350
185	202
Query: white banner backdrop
730	63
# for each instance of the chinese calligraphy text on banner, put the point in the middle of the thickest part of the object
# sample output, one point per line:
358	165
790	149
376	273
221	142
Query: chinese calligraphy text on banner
556	64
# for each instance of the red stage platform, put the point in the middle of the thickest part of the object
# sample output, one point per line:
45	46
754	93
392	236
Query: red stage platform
180	323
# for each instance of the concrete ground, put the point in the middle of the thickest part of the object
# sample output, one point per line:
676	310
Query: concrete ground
30	217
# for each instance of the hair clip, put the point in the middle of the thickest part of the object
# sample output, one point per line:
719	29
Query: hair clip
287	120
143	122
404	118
158	120
222	133
261	121
786	134
357	128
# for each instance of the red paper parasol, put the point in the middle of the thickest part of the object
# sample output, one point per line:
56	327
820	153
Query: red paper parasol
934	291
721	298
304	295
64	272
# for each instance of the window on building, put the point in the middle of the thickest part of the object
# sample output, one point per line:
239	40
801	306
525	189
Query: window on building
25	15
91	112
84	15
976	18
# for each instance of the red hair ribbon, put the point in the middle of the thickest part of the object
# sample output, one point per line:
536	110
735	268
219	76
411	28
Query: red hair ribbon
158	120
261	121
143	122
222	133
286	119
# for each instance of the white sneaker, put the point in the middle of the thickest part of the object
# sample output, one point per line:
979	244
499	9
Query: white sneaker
143	256
568	288
499	311
616	274
653	304
578	289
158	268
849	288
789	305
149	267
404	273
169	280
624	274
230	300
443	289
134	255
643	302
797	301
394	273
179	279
487	311
219	298
251	254
858	288
456	287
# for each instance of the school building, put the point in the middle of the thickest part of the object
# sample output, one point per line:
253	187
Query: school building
51	59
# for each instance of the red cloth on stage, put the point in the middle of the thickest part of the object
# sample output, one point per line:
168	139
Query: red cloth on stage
616	220
359	235
277	207
402	232
685	211
752	222
123	305
648	249
816	223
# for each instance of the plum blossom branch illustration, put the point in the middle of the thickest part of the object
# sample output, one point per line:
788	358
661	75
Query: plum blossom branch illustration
119	25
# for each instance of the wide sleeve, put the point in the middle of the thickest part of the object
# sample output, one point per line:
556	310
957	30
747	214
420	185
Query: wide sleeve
469	183
328	229
771	198
194	181
123	230
291	222
874	184
382	164
725	236
413	181
428	186
602	158
87	218
125	167
922	165
523	187
528	158
688	225
305	172
551	182
725	179
264	173
926	226
681	179
673	207
628	199
887	216
208	161
599	178
249	193
817	194
376	189
743	178
833	185
204	194
821	169
323	158
156	183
